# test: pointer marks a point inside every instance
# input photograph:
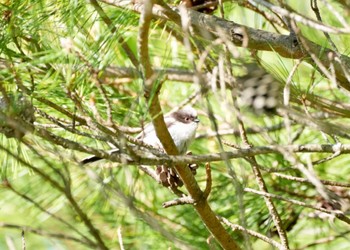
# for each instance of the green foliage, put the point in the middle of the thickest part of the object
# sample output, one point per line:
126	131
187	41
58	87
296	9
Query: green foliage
60	55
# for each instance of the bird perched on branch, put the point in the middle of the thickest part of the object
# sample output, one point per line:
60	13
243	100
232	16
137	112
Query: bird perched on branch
182	126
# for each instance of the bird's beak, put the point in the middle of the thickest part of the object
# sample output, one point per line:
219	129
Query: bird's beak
196	120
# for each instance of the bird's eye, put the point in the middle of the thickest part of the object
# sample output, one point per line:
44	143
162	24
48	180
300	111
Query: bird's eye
187	118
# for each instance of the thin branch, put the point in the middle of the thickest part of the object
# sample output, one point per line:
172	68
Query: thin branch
67	192
272	19
323	240
337	213
305	180
259	179
314	122
36	170
113	29
302	19
130	203
44	233
86	220
338	15
148	158
315	8
312	177
270	205
235	227
171	74
235	132
208	182
37	205
179	201
328	158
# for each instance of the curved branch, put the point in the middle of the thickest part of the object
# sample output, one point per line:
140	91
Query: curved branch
201	205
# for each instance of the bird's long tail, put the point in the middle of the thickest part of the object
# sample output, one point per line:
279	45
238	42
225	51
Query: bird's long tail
90	159
94	158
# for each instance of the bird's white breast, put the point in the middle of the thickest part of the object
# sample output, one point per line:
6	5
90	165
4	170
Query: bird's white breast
182	134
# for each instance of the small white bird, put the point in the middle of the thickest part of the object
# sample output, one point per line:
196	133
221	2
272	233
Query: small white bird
181	124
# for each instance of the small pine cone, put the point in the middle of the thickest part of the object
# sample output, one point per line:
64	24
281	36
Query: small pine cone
259	90
168	176
20	110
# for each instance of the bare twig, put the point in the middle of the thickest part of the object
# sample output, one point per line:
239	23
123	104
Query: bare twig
270	205
302	19
171	74
179	201
315	8
208	185
328	158
235	132
252	233
305	180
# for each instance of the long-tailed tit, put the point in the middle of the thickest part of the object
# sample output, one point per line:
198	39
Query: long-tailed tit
181	124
